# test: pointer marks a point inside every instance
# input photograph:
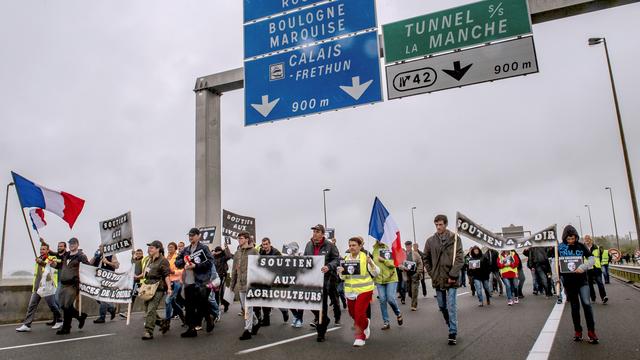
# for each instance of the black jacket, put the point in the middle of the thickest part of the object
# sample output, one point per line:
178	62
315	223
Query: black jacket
492	258
202	271
574	280
69	267
483	272
331	257
222	268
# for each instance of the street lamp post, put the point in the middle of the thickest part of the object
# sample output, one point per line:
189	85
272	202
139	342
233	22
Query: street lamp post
613	209
413	221
580	222
4	229
632	191
590	220
324	201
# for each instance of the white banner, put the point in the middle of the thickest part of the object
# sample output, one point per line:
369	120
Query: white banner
105	285
286	282
477	233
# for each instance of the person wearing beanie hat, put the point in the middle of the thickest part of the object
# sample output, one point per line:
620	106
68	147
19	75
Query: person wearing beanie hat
575	259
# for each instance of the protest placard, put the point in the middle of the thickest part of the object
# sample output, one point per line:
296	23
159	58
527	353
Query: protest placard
288	282
116	235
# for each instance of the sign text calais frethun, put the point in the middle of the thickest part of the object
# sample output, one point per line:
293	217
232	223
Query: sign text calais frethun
480	64
302	58
455	28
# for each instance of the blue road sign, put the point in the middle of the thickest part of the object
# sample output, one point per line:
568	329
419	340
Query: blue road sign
336	74
308	26
256	9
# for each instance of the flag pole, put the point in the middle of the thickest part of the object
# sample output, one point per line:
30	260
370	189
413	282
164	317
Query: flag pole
129	314
28	231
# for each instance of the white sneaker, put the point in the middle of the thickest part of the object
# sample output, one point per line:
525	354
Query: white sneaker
515	300
358	343
367	331
23	328
57	326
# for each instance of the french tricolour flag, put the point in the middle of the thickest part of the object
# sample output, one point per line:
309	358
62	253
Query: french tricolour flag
37	218
383	228
63	204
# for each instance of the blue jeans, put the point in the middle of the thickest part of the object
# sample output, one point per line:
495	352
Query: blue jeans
387	294
480	284
605	272
215	308
170	304
511	287
447	304
104	307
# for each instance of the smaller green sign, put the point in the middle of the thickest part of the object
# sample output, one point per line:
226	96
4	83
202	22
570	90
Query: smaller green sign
455	28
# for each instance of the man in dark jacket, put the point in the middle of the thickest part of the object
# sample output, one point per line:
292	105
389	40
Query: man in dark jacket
69	275
264	313
221	257
495	278
319	245
196	275
540	259
443	259
479	273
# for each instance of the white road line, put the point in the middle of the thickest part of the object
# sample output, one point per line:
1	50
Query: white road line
464	293
542	347
54	342
281	342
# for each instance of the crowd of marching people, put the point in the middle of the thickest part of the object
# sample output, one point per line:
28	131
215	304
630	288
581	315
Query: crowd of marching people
190	280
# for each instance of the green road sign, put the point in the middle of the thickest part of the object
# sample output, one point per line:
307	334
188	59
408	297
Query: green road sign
454	28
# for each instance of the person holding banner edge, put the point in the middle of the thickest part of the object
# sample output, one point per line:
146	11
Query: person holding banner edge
443	259
239	283
156	270
319	245
69	275
110	263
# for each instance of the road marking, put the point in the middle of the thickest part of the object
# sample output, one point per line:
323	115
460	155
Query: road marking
542	347
281	342
464	293
54	342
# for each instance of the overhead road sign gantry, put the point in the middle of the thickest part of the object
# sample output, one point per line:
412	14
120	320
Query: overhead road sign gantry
461	68
455	28
310	60
327	76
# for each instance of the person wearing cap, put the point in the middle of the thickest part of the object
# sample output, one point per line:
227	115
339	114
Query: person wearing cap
196	277
320	246
69	275
156	270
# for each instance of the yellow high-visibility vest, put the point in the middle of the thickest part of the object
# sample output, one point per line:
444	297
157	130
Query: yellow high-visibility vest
358	284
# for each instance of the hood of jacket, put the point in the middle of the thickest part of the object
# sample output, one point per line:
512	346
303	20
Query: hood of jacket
473	255
568	231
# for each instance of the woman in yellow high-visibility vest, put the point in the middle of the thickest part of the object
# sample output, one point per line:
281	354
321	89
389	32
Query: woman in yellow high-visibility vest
356	272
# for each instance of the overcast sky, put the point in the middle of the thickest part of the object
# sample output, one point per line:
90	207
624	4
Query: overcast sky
96	99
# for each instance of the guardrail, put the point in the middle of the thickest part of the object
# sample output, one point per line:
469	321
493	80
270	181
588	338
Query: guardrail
627	273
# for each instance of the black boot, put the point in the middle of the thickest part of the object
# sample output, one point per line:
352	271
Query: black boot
246	335
191	332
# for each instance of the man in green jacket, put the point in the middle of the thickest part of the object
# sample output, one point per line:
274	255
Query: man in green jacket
239	283
386	282
443	259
